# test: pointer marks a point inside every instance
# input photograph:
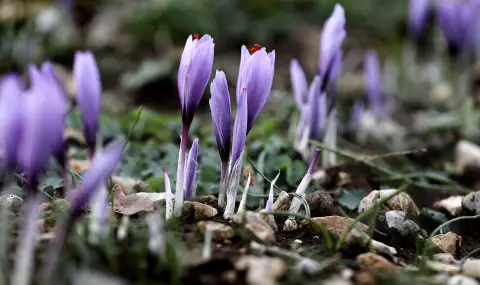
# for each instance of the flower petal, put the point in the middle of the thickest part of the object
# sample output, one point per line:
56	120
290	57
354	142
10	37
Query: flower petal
240	127
299	83
221	114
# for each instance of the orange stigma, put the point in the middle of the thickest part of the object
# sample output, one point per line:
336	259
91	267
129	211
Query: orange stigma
244	89
255	48
195	36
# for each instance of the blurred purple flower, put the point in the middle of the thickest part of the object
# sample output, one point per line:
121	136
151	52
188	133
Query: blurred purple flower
256	77
191	171
221	114
372	79
58	100
240	126
11	108
457	20
100	169
331	40
299	83
193	74
88	94
357	113
418	13
41	124
314	119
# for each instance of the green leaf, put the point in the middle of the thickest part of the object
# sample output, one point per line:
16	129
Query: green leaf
351	198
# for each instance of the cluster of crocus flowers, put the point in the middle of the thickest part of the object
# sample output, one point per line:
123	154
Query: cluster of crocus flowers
317	103
254	83
193	76
32	122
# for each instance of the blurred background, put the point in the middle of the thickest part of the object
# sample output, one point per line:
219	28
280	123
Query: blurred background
138	44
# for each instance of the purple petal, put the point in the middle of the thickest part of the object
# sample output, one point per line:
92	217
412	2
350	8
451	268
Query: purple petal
315	113
89	93
100	169
299	83
221	114
240	127
357	113
371	75
418	13
456	20
39	124
191	170
48	72
194	73
11	97
257	77
331	40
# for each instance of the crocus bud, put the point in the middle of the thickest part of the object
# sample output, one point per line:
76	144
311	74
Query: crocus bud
193	74
256	76
372	79
11	101
299	83
221	114
100	169
88	94
418	13
457	20
331	40
191	171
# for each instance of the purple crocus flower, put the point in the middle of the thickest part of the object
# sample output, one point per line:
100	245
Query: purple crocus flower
100	169
191	171
371	76
193	74
48	72
418	14
331	40
221	114
89	94
222	121
11	98
299	83
256	77
457	20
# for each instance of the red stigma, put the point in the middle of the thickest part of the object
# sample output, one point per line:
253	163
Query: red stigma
195	36
244	89
255	48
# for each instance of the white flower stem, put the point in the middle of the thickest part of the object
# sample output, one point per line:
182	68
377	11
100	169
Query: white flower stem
243	203
168	195
330	158
23	268
223	184
232	186
181	172
207	244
